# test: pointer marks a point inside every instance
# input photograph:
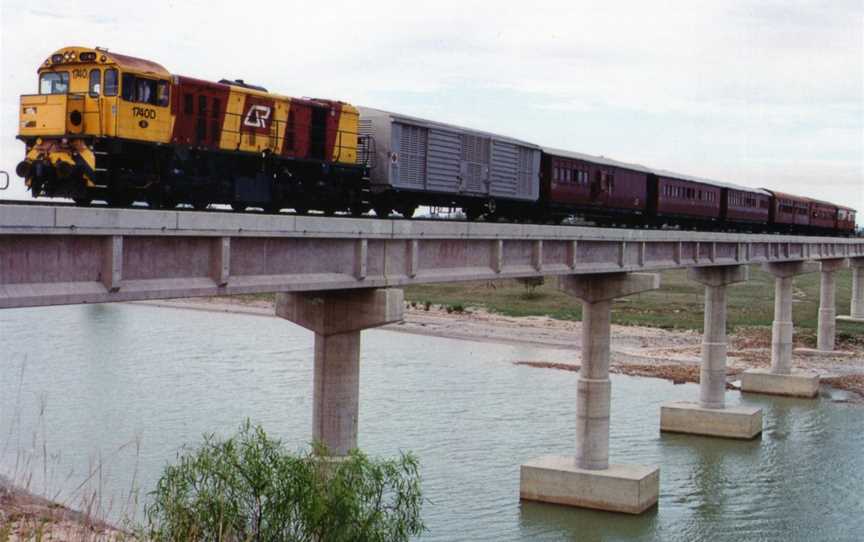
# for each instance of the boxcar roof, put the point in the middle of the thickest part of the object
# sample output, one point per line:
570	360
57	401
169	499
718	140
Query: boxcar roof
426	123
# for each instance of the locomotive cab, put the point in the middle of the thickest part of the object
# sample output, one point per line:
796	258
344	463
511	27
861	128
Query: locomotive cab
86	97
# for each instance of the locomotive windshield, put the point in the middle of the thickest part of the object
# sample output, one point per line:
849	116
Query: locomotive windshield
54	83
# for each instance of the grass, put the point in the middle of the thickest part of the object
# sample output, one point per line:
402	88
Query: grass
678	304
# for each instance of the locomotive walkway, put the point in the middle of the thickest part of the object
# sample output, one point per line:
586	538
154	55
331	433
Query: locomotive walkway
338	276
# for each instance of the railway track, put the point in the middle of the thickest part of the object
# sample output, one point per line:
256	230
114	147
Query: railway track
42	203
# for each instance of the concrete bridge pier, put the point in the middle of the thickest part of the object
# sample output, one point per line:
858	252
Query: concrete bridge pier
337	318
857	287
827	326
780	379
710	416
856	314
588	479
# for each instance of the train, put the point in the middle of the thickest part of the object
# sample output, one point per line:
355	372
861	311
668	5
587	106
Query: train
121	129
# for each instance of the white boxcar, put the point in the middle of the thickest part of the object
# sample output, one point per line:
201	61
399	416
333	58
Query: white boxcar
423	162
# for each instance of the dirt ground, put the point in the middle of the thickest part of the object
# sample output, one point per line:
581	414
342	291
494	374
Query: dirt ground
27	517
638	351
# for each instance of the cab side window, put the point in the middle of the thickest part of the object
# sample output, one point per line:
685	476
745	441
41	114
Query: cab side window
162	93
110	82
95	82
128	87
143	90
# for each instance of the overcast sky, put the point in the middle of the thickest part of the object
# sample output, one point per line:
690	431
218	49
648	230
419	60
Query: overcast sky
763	93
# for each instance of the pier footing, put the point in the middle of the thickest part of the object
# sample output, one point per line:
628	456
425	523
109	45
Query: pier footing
796	384
730	422
556	479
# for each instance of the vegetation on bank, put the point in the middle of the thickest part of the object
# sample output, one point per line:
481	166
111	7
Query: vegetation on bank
678	304
249	487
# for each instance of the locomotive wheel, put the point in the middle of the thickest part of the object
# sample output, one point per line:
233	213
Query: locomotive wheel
472	213
272	209
407	211
238	207
200	205
357	210
382	211
301	210
82	202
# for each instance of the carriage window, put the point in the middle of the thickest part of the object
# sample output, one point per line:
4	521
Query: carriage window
54	83
95	82
110	82
162	93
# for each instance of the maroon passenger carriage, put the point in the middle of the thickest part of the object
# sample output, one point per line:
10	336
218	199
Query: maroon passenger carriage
593	186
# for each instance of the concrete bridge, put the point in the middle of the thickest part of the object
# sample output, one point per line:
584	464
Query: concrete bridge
338	276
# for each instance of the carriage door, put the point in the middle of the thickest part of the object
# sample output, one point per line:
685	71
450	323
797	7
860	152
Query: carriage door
474	168
318	133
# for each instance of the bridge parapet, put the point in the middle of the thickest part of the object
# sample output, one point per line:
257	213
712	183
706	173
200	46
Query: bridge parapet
61	255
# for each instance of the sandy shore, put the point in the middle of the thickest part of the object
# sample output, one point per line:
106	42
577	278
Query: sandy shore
640	351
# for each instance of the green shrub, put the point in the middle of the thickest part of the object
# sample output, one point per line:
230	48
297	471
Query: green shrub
249	487
531	284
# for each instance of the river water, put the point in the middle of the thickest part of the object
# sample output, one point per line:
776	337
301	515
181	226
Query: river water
109	393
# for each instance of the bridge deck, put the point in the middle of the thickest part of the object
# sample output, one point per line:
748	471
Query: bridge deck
61	255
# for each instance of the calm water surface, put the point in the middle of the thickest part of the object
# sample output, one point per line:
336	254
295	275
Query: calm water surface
125	386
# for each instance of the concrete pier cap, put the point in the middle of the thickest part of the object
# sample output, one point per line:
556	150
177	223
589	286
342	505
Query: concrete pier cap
780	379
710	417
587	479
337	317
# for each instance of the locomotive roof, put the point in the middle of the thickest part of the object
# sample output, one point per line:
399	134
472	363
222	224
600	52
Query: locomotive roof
644	169
124	62
426	123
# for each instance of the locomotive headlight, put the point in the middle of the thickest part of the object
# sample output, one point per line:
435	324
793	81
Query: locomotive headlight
29	110
66	56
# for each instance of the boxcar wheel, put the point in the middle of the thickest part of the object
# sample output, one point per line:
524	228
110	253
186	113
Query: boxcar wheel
238	207
407	211
82	202
382	211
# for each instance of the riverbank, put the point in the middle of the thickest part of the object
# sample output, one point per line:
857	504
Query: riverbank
27	517
636	350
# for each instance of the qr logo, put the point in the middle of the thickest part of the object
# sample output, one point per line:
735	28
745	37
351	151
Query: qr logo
257	116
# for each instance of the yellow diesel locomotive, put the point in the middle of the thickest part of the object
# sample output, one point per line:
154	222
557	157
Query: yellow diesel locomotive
112	127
